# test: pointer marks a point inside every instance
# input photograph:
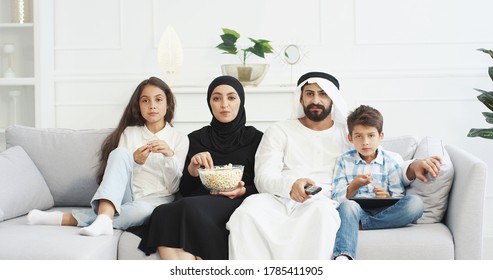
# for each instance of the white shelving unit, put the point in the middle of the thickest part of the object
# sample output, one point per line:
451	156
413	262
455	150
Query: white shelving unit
32	63
17	91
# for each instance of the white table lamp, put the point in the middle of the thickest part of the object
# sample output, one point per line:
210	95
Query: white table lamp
170	53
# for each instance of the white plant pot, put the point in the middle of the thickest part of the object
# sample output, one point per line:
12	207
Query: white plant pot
248	75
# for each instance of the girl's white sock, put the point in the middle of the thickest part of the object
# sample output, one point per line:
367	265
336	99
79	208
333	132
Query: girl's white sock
38	217
103	225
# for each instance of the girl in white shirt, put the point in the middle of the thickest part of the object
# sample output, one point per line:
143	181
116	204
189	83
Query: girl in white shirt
141	165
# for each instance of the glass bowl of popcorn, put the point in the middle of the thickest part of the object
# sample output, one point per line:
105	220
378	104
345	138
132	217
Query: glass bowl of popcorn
221	178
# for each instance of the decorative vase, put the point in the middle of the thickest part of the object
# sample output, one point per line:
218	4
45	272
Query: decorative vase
247	74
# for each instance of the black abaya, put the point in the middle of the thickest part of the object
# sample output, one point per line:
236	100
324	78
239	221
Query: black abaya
197	222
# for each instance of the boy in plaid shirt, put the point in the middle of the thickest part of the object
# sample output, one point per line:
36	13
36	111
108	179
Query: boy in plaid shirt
369	172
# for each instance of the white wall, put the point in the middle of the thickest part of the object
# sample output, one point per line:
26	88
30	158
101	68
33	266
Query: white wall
415	60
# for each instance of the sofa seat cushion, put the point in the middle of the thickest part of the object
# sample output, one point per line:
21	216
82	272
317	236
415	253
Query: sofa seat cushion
128	248
416	241
20	241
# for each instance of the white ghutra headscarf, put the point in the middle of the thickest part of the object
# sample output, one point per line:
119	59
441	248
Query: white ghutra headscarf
331	87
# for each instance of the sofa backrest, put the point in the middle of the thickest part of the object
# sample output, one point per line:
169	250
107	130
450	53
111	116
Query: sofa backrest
403	145
68	159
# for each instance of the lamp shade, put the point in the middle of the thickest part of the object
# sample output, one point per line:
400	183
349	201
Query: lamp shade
170	52
8	48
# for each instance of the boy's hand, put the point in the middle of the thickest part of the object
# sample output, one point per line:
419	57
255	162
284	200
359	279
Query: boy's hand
358	181
362	180
381	192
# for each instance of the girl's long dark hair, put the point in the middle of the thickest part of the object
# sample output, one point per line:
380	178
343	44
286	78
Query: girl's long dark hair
132	117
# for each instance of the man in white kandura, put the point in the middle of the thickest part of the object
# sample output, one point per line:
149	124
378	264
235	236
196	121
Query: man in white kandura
283	221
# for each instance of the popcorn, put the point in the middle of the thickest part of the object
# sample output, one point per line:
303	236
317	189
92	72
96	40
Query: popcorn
221	178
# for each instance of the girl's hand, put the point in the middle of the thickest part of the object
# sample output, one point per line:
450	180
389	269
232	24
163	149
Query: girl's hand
201	159
160	146
141	154
381	192
237	192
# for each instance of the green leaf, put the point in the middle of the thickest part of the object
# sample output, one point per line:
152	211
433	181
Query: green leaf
229	39
262	44
488	116
267	48
490	52
481	132
227	48
490	72
480	90
286	54
487	99
256	50
231	32
229	42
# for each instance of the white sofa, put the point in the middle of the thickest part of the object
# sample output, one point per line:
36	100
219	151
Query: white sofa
59	174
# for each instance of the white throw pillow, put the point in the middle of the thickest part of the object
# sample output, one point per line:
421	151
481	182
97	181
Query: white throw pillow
434	193
22	187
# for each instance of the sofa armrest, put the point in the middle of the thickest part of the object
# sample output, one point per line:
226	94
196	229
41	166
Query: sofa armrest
464	215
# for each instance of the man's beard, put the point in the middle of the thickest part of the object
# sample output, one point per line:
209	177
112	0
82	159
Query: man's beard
317	116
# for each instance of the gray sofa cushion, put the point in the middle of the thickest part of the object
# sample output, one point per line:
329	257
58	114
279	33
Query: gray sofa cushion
414	242
68	159
20	241
128	248
22	187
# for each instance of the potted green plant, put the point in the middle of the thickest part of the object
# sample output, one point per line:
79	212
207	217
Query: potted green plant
486	97
248	74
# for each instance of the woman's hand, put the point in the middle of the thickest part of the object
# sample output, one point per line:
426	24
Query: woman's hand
141	154
201	159
160	146
240	190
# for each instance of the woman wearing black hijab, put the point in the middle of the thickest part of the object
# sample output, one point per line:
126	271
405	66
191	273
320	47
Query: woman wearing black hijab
194	227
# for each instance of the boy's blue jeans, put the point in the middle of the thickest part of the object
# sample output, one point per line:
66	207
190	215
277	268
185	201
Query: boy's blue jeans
407	210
